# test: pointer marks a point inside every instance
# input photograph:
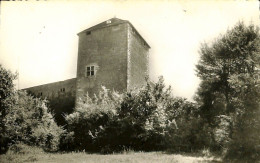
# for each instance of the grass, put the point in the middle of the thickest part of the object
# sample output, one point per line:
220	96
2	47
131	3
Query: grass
151	157
39	156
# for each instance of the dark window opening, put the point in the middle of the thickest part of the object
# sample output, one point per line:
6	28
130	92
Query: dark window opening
88	32
62	89
90	71
133	31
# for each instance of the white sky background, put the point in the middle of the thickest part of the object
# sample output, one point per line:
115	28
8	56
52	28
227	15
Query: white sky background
39	39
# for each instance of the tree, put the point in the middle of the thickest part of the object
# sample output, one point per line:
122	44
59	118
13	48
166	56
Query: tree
236	52
113	122
143	118
182	126
24	118
92	126
245	139
6	92
228	69
29	121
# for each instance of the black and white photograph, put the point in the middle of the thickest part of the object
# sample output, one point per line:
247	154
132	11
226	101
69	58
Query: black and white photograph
112	81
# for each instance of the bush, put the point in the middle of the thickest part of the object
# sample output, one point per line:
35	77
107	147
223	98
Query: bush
91	122
7	91
222	132
30	122
24	118
21	148
138	120
183	127
142	117
21	152
112	122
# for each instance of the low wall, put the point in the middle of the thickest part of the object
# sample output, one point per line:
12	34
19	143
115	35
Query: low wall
61	96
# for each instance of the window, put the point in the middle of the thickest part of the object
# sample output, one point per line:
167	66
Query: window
62	89
88	32
90	71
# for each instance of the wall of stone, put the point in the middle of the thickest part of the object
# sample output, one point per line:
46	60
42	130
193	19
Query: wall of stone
106	49
120	57
61	97
138	61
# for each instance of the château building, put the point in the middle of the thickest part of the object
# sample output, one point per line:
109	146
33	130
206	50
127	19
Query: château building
111	54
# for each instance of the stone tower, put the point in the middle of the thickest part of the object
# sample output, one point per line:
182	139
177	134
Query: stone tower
111	54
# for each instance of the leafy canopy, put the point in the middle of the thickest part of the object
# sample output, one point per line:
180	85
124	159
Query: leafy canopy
231	55
229	93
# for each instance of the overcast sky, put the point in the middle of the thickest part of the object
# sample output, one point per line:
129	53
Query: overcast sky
39	39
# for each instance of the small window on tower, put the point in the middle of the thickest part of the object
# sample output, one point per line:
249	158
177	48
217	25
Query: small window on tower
88	32
90	71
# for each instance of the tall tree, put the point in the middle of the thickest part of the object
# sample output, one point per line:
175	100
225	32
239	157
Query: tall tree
6	88
229	73
6	92
236	52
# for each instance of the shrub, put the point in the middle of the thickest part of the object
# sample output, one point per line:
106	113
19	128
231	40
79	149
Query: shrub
183	125
142	117
145	119
7	91
21	152
30	122
21	148
222	131
24	118
91	122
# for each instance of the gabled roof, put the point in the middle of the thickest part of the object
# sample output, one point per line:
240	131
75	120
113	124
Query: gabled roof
112	22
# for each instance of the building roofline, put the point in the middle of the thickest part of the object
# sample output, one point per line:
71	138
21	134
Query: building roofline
99	26
138	34
50	83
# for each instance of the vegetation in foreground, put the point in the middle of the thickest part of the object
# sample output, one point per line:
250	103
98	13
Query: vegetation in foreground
224	119
35	154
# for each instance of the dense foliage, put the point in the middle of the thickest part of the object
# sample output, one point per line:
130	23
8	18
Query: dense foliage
229	96
225	117
30	122
91	125
6	91
25	119
142	119
183	126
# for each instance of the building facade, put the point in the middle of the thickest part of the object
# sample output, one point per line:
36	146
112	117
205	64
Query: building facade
111	54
